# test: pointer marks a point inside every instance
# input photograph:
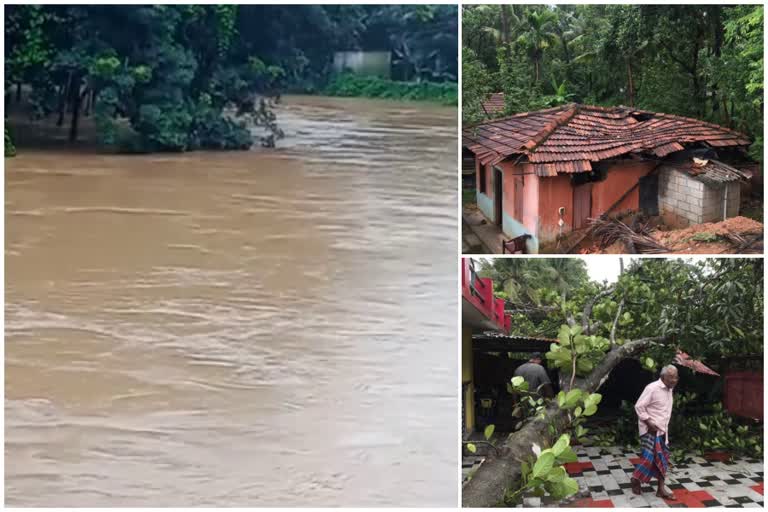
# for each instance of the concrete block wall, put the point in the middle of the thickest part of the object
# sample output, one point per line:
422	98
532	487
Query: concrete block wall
681	195
734	199
694	201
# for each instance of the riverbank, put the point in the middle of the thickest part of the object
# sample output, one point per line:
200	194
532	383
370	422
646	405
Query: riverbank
349	85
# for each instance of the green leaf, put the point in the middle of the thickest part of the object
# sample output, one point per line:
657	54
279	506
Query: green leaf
543	464
568	455
516	381
561	398
525	468
471	447
584	365
489	431
577	412
561	444
590	410
594	398
572	398
571	486
575	330
557	474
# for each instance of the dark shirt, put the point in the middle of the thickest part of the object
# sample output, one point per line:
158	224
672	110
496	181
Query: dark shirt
534	374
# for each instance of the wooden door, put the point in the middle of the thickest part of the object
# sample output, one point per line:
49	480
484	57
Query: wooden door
518	206
498	191
582	204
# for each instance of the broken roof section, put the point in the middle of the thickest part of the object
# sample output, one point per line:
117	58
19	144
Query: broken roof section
710	172
494	104
567	139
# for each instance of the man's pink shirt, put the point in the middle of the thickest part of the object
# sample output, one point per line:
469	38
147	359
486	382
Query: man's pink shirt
654	404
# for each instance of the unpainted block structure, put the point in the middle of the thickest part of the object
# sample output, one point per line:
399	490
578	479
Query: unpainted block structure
695	201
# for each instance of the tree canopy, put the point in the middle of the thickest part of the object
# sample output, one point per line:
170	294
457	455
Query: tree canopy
711	309
691	60
181	77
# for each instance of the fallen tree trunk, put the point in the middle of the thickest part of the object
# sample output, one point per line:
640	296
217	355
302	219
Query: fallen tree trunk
497	474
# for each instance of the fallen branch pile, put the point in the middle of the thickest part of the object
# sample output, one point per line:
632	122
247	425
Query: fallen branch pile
744	245
610	231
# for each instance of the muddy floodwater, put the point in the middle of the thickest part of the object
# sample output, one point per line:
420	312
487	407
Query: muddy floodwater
270	327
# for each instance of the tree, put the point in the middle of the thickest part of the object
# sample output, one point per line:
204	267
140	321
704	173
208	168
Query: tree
538	35
708	309
699	61
184	77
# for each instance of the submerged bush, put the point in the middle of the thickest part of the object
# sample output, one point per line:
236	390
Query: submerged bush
352	85
10	149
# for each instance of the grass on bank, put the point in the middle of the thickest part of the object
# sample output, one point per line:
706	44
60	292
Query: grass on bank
350	85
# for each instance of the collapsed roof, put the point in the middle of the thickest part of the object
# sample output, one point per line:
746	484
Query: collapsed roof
567	139
710	172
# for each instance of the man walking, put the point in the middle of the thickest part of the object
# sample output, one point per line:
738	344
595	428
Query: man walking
535	375
654	408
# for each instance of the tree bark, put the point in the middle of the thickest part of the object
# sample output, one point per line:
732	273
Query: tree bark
630	84
505	24
717	26
497	474
76	101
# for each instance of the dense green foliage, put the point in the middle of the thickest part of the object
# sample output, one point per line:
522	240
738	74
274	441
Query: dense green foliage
697	427
699	61
181	77
711	309
531	287
10	149
348	84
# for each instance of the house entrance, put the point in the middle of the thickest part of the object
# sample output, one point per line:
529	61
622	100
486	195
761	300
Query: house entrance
498	190
582	204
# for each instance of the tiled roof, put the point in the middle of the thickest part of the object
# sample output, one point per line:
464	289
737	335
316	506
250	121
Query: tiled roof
494	104
567	139
711	172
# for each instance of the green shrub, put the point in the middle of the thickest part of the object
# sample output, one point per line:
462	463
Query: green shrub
10	149
351	85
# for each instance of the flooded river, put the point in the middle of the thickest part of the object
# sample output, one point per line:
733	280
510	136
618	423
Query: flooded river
271	327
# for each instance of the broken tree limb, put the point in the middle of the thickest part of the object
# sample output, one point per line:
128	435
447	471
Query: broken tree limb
616	323
588	309
604	215
636	239
498	474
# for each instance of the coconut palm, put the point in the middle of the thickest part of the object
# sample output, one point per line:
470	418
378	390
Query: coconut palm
538	35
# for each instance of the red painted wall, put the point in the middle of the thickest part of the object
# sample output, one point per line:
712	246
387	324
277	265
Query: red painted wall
530	217
743	394
554	192
620	177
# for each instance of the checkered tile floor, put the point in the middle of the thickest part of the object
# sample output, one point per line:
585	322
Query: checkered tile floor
603	475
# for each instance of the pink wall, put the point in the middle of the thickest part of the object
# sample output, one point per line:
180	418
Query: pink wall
620	178
555	192
488	178
530	195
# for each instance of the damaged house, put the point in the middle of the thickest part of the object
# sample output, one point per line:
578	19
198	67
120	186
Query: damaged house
548	172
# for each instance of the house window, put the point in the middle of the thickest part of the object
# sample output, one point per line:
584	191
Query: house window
482	179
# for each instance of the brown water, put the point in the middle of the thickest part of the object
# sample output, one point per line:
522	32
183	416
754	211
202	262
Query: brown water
248	328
